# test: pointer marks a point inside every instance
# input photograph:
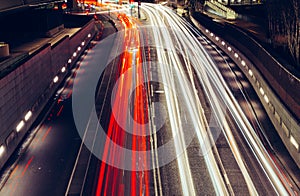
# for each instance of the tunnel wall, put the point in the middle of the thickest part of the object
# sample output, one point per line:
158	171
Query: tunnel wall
280	92
30	86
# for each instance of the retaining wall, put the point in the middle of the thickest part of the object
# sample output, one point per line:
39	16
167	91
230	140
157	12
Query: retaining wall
30	85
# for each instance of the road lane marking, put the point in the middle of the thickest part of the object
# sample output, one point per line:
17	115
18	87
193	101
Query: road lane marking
27	165
46	134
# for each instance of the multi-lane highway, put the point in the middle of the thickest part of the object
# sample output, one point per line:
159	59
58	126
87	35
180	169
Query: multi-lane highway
159	110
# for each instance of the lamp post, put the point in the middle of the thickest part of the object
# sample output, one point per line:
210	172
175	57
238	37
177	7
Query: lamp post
139	4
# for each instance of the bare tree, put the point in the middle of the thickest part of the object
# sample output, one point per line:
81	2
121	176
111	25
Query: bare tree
292	29
284	21
274	20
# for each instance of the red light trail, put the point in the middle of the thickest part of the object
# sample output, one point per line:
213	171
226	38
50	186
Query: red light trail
111	179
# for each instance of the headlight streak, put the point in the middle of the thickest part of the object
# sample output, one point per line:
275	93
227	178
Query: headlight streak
211	77
195	31
278	181
264	159
185	176
181	38
199	124
249	105
227	132
214	100
191	46
247	130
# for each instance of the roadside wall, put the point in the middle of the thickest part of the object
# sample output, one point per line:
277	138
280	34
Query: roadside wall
29	87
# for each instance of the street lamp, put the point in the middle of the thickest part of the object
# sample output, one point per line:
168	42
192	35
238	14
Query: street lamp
139	4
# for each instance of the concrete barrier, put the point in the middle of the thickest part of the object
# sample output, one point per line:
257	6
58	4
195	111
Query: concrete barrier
264	81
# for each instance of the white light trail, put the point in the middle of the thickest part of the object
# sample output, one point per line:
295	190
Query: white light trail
178	37
164	38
